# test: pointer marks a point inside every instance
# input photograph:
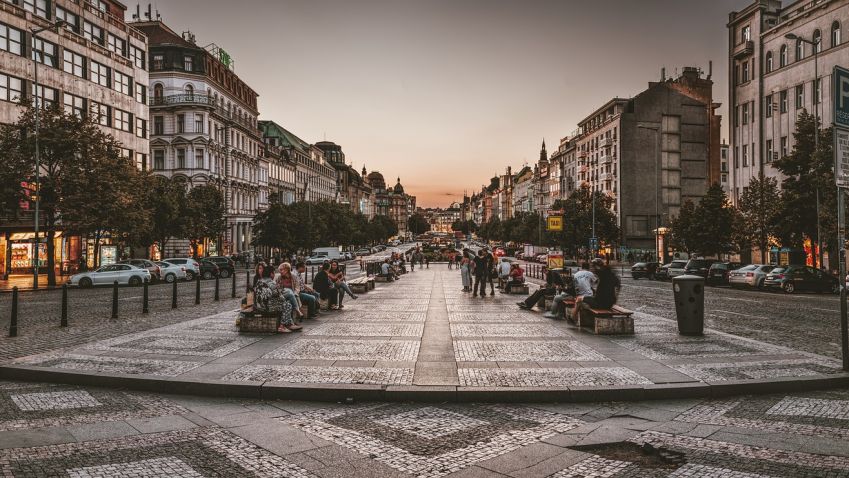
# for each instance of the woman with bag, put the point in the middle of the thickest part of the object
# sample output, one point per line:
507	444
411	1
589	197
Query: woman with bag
286	284
337	276
269	300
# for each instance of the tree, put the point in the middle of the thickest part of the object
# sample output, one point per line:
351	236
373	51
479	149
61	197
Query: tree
681	228
166	199
417	224
382	228
466	227
808	172
708	228
204	215
578	220
12	171
759	213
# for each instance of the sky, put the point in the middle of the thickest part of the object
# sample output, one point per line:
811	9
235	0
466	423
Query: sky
447	93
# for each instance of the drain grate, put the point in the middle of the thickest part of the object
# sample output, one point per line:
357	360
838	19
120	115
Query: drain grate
645	456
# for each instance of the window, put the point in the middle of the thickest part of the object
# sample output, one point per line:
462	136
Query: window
188	63
835	34
745	155
769	151
47	96
181	123
158	62
141	127
100	113
784	146
11	88
746	33
141	93
159	159
800	50
122	121
745	71
181	158
11	40
39	7
746	113
817	85
769	62
99	74
117	45
44	52
73	63
158	125
198	123
782	107
138	57
817	41
782	56
143	160
737	115
199	158
736	157
93	33
768	107
72	22
74	105
123	83
800	97
189	90
158	91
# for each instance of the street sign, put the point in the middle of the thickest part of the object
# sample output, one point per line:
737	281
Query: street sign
593	243
841	97
555	223
841	157
555	260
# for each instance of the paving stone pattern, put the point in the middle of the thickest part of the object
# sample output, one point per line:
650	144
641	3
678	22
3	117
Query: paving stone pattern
550	377
305	374
340	349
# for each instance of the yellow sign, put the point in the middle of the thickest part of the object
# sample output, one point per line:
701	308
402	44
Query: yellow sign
555	261
555	223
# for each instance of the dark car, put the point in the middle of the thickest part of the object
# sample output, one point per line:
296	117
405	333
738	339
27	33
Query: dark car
644	270
792	279
226	266
719	272
155	270
208	269
699	267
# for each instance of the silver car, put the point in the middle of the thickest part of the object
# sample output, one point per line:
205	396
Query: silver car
192	266
172	272
750	276
676	268
124	274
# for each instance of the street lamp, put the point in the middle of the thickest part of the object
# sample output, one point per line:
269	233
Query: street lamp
35	54
661	255
309	203
815	43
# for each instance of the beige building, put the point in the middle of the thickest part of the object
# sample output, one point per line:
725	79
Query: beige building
772	80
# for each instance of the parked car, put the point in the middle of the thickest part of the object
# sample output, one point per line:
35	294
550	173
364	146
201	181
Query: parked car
363	252
541	258
719	272
675	268
155	272
644	270
125	274
317	259
226	266
192	266
749	276
699	267
209	269
792	279
348	256
172	272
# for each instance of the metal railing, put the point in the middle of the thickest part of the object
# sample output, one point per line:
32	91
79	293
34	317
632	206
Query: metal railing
193	99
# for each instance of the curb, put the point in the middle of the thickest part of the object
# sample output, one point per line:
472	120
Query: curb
421	393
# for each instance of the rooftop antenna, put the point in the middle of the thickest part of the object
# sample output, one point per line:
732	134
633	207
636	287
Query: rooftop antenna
137	15
147	14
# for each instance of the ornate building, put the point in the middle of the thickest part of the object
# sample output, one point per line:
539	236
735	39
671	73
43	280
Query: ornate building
353	188
393	202
315	178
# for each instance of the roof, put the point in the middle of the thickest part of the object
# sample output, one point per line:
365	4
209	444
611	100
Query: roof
158	33
288	139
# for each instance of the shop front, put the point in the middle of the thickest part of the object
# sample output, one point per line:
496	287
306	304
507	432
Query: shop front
16	253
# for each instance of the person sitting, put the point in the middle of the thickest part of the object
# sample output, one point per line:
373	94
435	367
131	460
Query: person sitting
514	278
584	281
337	277
307	295
386	271
321	283
268	300
553	281
504	269
285	282
607	288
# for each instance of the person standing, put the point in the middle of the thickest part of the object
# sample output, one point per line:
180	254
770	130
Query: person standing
481	264
492	261
466	273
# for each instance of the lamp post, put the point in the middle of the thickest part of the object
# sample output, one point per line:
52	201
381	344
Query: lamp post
35	55
656	128
309	203
815	43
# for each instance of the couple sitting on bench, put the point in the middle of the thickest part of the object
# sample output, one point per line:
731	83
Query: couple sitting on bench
596	287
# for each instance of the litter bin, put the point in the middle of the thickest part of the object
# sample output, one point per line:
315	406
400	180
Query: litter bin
689	304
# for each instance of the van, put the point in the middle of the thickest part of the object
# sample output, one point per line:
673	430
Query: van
330	253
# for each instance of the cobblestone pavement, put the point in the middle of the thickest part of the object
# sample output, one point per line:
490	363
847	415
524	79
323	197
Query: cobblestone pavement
67	431
424	331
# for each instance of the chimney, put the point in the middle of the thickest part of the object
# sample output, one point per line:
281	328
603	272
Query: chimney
663	74
710	69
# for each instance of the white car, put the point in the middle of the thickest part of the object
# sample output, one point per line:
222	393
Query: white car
172	272
124	274
316	260
749	276
192	266
676	268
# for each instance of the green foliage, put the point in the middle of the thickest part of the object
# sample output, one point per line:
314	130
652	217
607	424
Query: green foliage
417	224
166	199
203	214
578	220
466	227
706	229
759	210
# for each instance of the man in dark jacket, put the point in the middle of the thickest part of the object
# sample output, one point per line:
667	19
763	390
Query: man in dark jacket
481	272
321	284
553	281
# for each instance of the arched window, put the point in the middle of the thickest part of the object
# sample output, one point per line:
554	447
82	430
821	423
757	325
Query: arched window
800	50
189	90
769	62
158	91
835	34
817	41
782	57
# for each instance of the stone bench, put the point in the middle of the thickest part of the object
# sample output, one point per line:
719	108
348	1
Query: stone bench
359	286
381	279
613	321
521	289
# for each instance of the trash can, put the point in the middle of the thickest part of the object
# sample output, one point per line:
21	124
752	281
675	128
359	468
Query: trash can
689	304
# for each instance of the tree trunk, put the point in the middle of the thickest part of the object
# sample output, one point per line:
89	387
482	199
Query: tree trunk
51	261
96	250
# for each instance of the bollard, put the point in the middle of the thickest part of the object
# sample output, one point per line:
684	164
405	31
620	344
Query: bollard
233	290
13	324
247	281
197	289
145	300
174	295
216	289
115	300
64	321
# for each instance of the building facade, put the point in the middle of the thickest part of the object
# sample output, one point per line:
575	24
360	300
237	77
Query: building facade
281	175
95	65
391	202
353	190
772	79
315	179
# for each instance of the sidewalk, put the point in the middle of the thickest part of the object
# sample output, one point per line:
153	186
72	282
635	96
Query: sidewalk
24	282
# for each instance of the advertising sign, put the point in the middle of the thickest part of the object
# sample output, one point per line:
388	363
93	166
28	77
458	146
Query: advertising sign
841	157
555	223
555	260
841	97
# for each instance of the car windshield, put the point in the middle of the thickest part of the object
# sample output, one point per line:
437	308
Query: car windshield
640	264
719	265
778	270
767	268
697	264
748	268
678	264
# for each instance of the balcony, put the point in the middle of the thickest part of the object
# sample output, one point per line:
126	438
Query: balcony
607	159
183	99
747	48
606	177
606	142
583	155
